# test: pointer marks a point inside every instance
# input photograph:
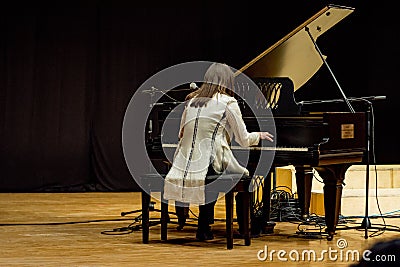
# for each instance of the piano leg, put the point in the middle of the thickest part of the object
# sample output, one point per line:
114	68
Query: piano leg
304	176
333	176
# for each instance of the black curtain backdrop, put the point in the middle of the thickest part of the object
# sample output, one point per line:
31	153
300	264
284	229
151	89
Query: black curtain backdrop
67	74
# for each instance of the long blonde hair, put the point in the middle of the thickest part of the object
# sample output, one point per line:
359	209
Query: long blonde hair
219	78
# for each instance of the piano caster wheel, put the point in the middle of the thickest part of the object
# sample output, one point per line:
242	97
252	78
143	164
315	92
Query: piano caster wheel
330	237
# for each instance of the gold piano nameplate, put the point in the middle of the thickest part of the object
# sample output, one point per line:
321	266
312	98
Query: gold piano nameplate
347	131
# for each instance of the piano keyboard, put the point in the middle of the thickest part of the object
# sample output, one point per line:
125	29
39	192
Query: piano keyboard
295	149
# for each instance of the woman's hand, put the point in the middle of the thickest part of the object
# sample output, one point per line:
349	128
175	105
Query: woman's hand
266	135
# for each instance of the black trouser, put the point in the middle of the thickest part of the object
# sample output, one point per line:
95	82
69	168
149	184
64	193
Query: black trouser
206	211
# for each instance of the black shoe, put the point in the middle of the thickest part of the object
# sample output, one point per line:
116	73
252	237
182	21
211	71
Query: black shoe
238	235
202	236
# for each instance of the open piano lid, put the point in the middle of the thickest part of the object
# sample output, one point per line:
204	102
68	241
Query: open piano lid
295	56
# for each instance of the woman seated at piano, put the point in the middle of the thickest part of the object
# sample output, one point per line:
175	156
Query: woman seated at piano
210	120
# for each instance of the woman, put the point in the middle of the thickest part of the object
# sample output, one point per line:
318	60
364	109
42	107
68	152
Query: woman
210	120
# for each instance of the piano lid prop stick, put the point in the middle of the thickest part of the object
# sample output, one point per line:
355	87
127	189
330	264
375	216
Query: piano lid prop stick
330	71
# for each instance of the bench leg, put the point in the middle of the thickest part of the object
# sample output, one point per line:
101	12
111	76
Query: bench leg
246	218
229	219
145	217
164	218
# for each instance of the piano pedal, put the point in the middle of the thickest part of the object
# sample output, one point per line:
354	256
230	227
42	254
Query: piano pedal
311	235
310	229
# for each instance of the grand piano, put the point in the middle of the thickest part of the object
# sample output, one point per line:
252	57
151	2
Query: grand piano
326	141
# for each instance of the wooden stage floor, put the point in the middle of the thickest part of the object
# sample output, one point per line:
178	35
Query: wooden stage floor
87	229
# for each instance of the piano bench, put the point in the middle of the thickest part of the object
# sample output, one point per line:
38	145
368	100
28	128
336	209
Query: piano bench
234	182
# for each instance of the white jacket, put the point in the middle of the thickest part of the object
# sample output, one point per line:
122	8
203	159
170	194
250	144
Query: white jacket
207	134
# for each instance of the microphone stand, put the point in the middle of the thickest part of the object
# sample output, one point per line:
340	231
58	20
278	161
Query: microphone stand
366	223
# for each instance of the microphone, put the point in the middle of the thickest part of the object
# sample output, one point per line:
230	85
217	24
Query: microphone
193	86
380	97
151	90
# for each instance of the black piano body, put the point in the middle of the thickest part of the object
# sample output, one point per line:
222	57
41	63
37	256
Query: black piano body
325	141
